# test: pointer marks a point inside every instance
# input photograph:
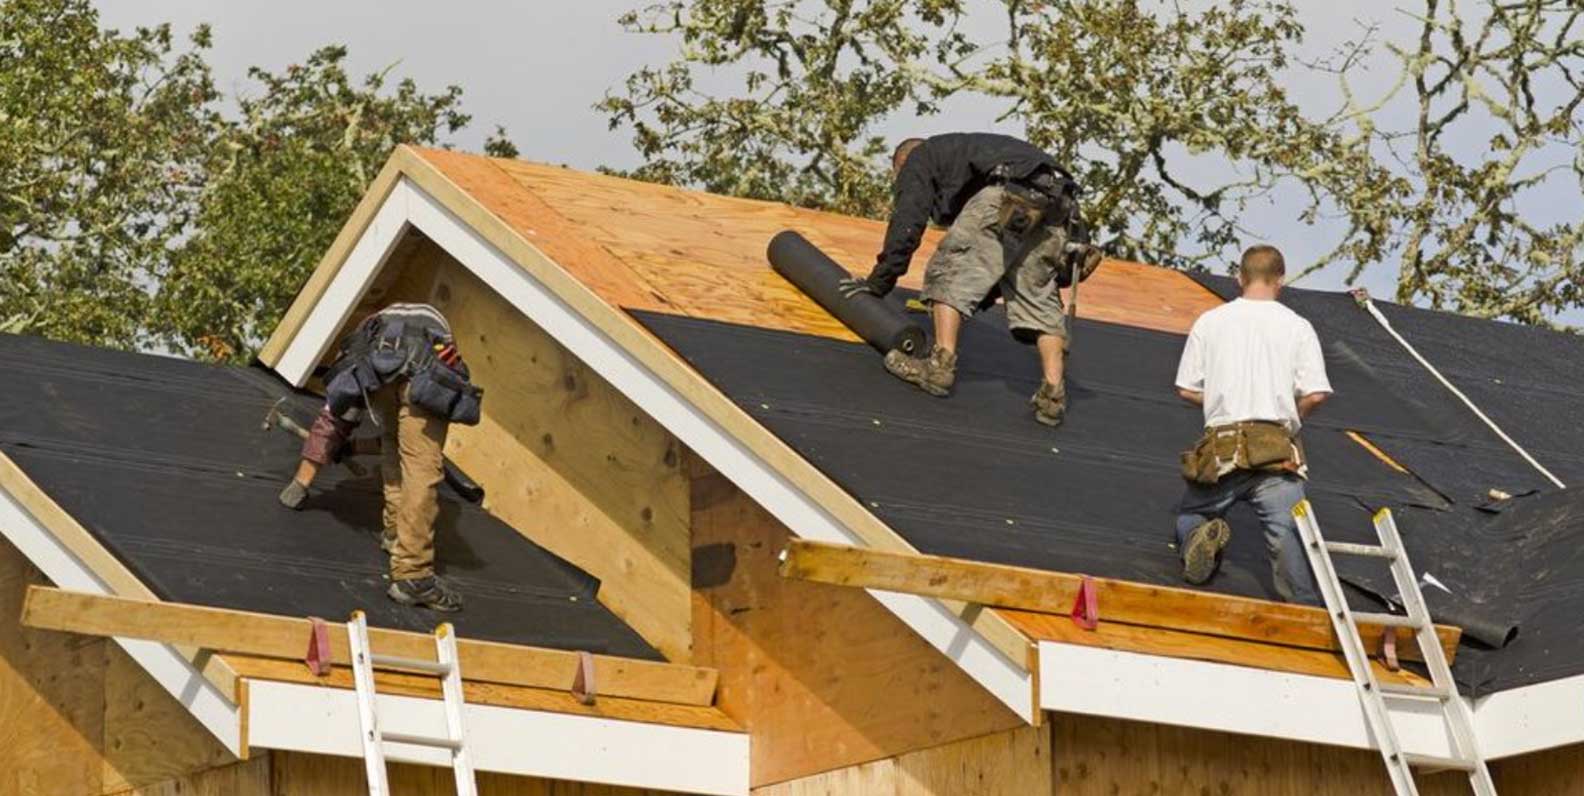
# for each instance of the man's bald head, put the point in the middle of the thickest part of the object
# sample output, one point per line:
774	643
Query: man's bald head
1262	264
899	155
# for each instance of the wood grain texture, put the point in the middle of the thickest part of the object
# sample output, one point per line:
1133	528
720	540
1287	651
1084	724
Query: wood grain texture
568	461
1198	646
1112	757
541	699
149	737
298	774
1124	602
705	254
1011	763
247	778
822	678
286	637
51	697
1553	771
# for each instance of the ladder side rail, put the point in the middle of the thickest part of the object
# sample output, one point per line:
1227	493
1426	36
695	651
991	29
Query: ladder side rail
363	680
1341	614
1459	718
455	700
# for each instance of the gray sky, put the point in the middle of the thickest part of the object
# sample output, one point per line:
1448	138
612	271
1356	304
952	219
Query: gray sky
537	67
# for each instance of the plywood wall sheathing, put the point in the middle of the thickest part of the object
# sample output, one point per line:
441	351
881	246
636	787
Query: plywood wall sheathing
821	677
247	778
1012	763
298	774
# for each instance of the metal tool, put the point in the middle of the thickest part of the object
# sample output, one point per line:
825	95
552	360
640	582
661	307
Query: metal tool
447	668
1455	713
275	417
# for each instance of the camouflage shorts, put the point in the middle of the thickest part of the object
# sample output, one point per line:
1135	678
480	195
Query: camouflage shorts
975	257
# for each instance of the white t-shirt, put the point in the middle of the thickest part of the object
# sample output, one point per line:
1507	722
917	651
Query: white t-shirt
1252	360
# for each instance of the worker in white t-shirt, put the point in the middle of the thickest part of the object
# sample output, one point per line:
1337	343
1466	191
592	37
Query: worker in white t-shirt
1256	368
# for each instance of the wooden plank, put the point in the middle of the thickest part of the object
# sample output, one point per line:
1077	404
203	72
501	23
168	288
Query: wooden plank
821	678
299	774
1196	646
1054	592
266	635
51	697
567	460
149	737
330	264
98	560
498	694
1015	762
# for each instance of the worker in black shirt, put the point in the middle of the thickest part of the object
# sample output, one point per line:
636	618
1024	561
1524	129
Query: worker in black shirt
1013	228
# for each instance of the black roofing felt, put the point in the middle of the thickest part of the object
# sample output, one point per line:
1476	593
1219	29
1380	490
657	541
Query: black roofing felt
165	463
974	476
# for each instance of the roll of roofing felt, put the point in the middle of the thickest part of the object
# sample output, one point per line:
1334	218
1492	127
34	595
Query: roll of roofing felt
880	324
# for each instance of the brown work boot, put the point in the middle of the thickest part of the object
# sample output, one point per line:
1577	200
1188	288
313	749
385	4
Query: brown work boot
934	374
1050	404
1202	553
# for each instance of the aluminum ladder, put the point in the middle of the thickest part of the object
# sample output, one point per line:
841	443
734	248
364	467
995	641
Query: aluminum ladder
1455	713
446	668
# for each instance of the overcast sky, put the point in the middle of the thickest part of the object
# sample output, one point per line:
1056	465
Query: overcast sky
537	67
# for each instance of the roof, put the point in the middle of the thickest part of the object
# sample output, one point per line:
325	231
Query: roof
165	462
665	293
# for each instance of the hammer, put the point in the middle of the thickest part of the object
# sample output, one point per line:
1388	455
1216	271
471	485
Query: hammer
276	417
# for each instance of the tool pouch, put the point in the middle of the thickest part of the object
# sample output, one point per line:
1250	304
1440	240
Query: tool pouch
441	391
1242	446
1022	209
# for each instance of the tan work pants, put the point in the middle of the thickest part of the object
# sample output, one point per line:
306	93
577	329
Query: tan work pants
412	452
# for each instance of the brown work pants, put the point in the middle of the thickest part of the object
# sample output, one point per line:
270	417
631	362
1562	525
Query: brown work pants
411	450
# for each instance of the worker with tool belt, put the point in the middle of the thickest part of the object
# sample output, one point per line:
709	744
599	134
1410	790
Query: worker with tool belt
401	363
1256	368
1014	229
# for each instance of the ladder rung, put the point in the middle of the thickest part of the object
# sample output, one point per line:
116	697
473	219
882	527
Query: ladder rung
1388	620
1434	763
421	740
1349	549
1420	691
415	664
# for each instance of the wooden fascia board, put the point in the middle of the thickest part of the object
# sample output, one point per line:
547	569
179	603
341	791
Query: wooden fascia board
1120	601
644	368
106	567
330	264
224	630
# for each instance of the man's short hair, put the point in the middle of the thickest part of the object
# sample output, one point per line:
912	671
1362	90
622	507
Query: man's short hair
1262	263
902	151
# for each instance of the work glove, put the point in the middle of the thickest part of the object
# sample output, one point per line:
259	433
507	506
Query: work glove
852	286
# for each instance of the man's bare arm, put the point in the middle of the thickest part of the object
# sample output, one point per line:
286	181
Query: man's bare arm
1194	397
1308	403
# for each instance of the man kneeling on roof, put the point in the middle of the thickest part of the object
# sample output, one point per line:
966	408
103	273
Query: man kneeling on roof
401	363
1256	368
1013	230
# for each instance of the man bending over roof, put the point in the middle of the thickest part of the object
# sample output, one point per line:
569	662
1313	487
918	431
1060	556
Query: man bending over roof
1012	212
403	364
1256	368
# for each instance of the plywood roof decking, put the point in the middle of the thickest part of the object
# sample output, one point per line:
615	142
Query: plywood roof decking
650	247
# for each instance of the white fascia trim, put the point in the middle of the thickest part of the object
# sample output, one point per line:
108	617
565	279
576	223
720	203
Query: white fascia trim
1004	678
308	718
1531	718
167	666
1219	696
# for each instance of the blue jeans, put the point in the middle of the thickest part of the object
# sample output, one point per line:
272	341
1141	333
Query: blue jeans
1273	496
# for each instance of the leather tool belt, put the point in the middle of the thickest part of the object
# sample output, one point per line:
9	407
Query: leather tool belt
1250	445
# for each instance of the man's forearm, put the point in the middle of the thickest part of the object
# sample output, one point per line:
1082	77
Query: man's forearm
1194	397
1310	402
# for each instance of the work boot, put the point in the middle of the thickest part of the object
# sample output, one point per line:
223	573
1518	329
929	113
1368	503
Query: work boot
1202	554
294	496
427	592
388	540
1050	404
934	374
